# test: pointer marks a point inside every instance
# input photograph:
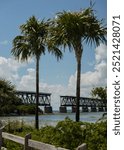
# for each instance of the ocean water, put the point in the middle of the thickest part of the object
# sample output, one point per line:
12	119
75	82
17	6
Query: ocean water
53	119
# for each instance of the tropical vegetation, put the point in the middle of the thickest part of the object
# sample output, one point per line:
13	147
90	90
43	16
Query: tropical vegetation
67	134
67	29
10	103
8	99
32	43
74	30
100	92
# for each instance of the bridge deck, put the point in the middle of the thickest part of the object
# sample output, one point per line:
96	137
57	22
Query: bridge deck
84	101
29	97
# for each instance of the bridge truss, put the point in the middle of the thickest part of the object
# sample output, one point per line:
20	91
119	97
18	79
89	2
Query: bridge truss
85	103
29	97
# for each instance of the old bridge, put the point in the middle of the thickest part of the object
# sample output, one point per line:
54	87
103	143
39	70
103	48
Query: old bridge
29	97
87	104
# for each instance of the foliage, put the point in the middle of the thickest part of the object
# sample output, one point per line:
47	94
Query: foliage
10	103
27	109
67	134
32	43
100	92
10	145
73	30
8	98
95	136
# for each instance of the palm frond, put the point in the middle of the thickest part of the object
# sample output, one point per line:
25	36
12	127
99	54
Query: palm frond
72	28
32	41
21	48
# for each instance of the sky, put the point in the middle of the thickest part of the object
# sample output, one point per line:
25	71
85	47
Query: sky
56	77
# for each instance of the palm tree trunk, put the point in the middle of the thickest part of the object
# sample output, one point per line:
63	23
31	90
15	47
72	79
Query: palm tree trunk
37	94
78	90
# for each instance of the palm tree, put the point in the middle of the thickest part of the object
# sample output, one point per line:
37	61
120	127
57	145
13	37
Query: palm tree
32	43
73	30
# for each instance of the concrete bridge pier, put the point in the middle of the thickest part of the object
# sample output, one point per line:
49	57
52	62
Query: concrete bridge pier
73	109
62	109
105	108
48	109
93	108
100	109
85	108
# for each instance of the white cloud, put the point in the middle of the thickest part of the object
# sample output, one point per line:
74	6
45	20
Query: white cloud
9	68
89	80
95	78
101	53
27	82
56	90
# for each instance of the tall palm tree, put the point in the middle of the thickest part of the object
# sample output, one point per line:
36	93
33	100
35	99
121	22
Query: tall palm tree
32	43
73	30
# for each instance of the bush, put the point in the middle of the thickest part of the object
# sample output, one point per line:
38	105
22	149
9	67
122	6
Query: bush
67	134
27	109
12	145
47	135
95	136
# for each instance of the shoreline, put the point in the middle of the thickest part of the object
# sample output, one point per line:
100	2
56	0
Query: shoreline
53	113
53	119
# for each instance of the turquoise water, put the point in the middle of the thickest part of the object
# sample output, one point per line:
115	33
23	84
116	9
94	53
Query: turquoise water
53	119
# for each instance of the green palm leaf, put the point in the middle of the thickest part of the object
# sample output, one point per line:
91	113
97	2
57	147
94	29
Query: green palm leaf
73	30
33	43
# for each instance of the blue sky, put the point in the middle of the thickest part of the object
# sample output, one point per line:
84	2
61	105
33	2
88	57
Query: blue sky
57	78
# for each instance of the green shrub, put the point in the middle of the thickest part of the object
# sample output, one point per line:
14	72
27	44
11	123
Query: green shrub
67	134
47	135
95	136
12	145
26	109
